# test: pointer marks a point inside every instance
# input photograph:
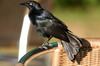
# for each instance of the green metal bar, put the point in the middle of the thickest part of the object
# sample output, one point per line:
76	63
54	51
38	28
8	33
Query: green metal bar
35	51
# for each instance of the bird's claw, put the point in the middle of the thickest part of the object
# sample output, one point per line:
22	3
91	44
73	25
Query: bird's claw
43	47
44	44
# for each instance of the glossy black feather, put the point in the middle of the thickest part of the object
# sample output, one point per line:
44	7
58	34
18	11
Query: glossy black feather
47	25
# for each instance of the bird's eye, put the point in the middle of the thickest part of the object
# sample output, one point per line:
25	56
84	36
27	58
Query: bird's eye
30	3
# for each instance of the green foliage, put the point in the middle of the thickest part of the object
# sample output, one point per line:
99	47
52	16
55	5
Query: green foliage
72	3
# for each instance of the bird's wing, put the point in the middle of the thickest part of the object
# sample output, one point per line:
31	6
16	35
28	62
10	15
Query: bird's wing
55	21
59	30
53	28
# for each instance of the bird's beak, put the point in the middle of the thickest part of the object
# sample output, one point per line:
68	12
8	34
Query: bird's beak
22	3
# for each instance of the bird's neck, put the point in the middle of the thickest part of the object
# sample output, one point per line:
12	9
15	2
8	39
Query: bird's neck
36	12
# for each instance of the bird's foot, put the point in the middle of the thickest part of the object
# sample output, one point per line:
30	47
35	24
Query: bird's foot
43	47
45	44
50	45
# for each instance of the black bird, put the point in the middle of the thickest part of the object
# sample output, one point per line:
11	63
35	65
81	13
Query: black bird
49	26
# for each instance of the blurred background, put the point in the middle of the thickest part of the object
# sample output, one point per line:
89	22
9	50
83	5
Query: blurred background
81	16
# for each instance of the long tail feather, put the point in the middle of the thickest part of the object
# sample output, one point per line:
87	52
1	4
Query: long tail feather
72	47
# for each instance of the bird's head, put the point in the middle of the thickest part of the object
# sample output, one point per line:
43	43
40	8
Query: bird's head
32	5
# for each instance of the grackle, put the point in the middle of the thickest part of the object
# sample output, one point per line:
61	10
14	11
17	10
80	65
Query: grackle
47	25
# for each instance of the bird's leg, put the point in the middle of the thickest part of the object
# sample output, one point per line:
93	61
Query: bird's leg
46	42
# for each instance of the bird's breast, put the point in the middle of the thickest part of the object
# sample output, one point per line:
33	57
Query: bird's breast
43	22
